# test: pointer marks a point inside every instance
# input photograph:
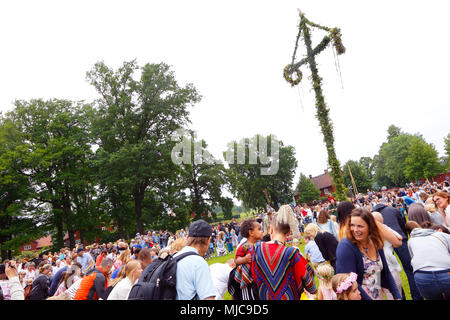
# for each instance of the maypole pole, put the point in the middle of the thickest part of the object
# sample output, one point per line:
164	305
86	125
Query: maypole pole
321	107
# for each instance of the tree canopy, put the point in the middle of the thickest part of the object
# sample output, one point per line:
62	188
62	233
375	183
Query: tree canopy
306	190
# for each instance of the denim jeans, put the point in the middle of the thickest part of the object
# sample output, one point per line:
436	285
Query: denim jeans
433	285
405	259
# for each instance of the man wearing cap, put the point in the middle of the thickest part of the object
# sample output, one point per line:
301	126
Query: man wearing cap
194	280
85	259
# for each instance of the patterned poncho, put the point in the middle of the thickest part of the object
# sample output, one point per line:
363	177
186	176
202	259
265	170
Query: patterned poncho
281	273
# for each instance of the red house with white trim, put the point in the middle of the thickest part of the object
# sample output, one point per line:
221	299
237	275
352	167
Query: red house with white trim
324	183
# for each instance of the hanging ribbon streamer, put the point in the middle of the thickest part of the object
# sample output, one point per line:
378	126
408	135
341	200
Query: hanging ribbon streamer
337	66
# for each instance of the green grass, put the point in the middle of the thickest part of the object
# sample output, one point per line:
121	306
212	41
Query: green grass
227	296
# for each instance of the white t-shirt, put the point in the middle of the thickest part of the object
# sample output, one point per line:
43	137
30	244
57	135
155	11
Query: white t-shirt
447	216
220	273
389	253
73	288
121	290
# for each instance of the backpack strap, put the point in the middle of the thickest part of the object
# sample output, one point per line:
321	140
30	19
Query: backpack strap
184	255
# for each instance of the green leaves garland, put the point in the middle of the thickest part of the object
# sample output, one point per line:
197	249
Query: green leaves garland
337	41
321	107
287	73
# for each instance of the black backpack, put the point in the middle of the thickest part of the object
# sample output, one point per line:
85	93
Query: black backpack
158	280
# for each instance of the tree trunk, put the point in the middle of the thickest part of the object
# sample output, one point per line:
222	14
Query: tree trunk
58	214
138	199
82	237
120	228
59	243
274	199
138	195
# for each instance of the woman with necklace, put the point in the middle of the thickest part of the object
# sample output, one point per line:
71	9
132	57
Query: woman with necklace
361	252
280	272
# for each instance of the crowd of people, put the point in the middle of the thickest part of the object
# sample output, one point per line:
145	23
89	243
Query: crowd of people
349	247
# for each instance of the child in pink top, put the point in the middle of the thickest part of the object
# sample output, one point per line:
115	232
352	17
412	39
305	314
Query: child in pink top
325	273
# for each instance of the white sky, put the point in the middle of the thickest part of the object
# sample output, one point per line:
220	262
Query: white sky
396	69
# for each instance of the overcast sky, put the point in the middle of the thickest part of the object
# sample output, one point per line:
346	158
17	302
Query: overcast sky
395	71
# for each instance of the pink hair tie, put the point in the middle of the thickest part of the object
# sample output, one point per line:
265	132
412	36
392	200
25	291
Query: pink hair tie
347	283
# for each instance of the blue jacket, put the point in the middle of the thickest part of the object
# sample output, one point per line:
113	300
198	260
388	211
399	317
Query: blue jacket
54	282
350	259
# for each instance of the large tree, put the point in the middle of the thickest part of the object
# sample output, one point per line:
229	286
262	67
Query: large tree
369	165
19	215
205	178
136	117
266	179
55	156
360	176
447	152
306	190
391	165
422	161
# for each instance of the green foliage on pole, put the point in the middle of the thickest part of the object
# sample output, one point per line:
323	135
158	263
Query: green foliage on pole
322	110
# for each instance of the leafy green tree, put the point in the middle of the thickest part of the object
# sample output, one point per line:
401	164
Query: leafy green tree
250	182
390	162
55	153
447	152
134	122
18	224
369	165
393	132
306	190
205	178
422	161
360	175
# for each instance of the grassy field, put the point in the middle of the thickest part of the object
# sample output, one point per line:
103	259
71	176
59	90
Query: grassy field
227	296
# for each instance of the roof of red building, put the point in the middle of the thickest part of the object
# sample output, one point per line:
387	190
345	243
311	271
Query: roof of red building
322	181
44	241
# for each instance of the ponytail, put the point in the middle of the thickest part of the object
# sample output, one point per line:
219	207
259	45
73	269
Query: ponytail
284	221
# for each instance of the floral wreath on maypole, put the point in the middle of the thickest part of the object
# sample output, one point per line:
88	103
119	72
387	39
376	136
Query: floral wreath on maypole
334	34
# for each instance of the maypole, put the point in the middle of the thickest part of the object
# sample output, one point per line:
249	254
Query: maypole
322	110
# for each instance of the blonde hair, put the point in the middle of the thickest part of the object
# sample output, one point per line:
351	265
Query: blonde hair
336	281
284	220
325	273
178	244
312	228
120	275
131	266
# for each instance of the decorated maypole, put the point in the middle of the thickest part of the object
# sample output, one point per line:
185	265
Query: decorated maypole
322	110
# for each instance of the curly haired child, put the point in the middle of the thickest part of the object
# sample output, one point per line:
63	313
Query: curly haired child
345	286
325	273
246	288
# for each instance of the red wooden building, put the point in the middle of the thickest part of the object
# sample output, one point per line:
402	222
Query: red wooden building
324	183
36	245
